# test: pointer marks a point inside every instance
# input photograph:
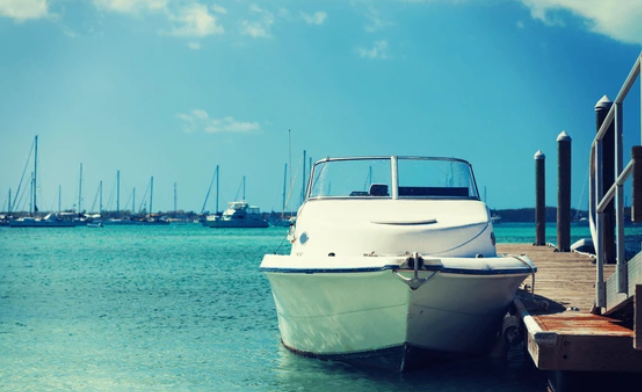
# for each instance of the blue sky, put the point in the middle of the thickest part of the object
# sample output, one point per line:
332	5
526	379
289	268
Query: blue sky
171	88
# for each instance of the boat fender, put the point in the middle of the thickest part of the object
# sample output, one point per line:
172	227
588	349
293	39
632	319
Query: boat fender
511	330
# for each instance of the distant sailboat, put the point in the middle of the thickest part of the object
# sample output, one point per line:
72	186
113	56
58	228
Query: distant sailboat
49	220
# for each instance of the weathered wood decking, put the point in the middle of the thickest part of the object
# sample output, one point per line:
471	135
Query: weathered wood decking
562	333
565	278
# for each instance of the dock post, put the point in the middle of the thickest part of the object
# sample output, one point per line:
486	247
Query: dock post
563	192
608	178
540	199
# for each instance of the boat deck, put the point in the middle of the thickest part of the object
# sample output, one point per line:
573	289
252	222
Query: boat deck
563	334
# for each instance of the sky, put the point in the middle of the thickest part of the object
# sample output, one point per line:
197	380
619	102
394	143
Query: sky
172	88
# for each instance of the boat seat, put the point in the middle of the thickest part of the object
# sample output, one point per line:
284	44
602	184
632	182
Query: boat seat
379	190
433	191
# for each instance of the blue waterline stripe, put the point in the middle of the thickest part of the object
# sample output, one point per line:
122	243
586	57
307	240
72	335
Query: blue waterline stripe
459	271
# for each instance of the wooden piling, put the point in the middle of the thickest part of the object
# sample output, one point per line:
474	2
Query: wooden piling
563	192
540	198
608	177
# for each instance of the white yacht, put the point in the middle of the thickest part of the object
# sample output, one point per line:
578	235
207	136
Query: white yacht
393	263
238	214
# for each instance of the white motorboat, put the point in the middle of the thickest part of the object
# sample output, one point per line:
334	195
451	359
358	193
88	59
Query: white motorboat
394	270
239	214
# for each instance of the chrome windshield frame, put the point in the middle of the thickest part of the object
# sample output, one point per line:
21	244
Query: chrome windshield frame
394	175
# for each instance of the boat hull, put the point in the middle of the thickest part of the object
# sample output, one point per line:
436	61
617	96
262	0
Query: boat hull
375	318
17	224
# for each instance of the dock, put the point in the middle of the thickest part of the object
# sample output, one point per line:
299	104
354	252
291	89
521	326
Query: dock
564	332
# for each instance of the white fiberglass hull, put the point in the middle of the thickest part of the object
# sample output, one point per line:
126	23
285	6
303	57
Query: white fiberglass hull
370	315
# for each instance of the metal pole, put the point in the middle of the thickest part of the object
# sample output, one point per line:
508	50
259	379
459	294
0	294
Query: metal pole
608	177
540	198
622	274
600	300
563	192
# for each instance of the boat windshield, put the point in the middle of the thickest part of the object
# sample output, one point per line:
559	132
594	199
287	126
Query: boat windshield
417	177
435	177
352	178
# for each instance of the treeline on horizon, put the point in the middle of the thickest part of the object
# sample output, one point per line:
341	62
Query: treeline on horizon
528	214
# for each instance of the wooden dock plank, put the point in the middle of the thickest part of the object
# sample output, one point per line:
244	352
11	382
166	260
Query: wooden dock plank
567	279
565	340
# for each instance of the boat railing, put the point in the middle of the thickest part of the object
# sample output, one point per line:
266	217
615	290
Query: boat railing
618	287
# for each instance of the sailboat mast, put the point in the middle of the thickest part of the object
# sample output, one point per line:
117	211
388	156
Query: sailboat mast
9	203
59	198
151	196
290	157
117	191
80	191
303	180
243	188
285	179
216	189
134	200
100	204
35	176
175	209
31	195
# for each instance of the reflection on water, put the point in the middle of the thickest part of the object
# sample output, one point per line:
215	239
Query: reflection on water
175	308
483	374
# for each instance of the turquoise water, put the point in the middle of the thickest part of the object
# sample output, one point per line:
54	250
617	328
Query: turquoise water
180	308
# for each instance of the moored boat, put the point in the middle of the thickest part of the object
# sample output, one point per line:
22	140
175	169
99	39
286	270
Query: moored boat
50	220
239	214
395	271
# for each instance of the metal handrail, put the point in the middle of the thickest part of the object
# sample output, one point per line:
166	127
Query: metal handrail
600	201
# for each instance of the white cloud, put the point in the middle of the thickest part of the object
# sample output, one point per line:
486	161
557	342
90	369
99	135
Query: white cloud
132	6
194	45
520	24
375	21
619	20
198	120
317	18
258	28
21	10
218	9
255	29
378	51
196	21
